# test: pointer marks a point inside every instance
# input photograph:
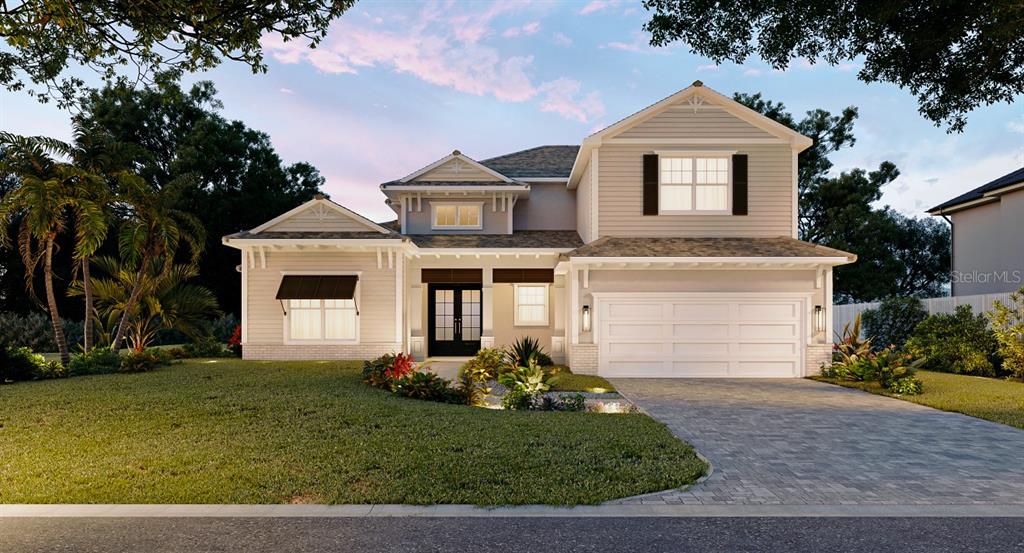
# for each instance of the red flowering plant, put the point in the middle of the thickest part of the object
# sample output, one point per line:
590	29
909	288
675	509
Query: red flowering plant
235	341
402	366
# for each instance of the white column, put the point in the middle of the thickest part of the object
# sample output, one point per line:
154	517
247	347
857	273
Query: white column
417	343
574	305
400	299
245	297
828	305
487	304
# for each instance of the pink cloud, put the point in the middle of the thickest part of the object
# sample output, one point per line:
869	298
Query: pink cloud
597	5
562	96
530	28
562	40
624	46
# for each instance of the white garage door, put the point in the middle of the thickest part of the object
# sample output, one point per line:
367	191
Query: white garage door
700	336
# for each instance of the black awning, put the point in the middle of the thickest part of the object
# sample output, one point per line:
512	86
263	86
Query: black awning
317	287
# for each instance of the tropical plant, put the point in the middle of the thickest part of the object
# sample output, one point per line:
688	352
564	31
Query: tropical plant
893	321
427	386
150	237
530	379
851	346
34	331
143	360
18	363
517	400
50	196
374	371
168	300
205	346
526	350
235	341
95	361
402	366
959	343
890	368
1008	326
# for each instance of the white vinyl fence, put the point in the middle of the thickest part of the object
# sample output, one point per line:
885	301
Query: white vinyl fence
844	314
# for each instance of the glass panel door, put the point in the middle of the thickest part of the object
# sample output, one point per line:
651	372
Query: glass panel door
455	319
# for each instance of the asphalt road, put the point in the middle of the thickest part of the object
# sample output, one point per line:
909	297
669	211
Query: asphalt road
649	535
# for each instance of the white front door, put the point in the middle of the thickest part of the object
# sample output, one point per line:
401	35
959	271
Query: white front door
680	335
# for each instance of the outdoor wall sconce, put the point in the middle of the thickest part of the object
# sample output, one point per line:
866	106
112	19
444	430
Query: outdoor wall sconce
819	318
586	318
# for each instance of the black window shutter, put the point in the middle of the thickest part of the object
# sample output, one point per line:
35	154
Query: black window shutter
739	184
650	184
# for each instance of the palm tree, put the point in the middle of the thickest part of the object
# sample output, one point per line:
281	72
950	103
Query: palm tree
169	303
150	236
50	193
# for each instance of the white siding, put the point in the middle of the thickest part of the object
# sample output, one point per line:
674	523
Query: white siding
457	170
770	172
583	209
265	320
681	121
314	220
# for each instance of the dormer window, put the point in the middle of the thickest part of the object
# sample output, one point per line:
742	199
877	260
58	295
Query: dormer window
457	216
690	184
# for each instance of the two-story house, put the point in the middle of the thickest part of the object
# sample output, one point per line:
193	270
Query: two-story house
662	246
987	224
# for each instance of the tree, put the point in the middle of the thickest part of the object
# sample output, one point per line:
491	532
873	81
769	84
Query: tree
45	37
238	181
170	301
152	232
954	56
897	255
49	195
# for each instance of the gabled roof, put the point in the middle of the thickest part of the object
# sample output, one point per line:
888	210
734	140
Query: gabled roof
447	183
454	155
706	95
553	161
321	201
984	192
520	239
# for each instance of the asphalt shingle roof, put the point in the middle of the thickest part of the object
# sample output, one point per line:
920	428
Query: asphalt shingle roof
704	247
542	161
452	183
518	239
1003	181
313	235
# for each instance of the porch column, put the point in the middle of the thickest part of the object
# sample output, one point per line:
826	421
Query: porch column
558	333
487	304
417	345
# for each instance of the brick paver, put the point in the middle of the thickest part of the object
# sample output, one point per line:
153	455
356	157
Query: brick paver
800	442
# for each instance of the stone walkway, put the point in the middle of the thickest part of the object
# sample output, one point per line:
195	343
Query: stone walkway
800	442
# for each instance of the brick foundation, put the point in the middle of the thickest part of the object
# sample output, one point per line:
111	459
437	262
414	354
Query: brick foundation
315	352
583	358
817	355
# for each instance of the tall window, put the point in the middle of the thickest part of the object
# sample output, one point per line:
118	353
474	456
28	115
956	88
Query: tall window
457	216
693	184
323	320
531	305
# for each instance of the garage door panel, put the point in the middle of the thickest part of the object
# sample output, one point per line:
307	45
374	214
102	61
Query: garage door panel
700	311
675	336
634	311
768	311
701	331
767	331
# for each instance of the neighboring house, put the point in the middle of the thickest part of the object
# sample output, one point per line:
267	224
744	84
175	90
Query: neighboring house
662	246
987	225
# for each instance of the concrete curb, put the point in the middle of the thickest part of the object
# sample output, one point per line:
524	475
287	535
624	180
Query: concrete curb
525	511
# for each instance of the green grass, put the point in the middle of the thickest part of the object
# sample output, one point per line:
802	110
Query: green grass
986	398
233	431
568	382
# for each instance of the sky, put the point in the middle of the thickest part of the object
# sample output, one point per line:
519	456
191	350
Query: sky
398	85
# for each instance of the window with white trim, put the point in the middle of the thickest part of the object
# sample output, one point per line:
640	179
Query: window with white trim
322	320
457	216
531	304
693	184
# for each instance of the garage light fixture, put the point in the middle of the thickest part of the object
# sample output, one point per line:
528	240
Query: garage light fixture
586	318
819	318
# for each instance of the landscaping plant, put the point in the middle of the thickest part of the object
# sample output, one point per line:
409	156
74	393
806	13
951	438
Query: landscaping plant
1008	326
19	363
206	346
959	343
476	375
143	361
853	360
402	366
893	321
851	346
427	386
375	369
526	350
235	341
95	361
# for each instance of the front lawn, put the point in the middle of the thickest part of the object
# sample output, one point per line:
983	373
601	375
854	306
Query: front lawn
986	398
233	431
569	382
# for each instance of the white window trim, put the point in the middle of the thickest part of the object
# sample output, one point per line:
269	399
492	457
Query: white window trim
433	216
286	319
515	305
693	193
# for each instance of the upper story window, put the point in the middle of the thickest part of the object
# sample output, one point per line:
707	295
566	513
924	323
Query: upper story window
693	184
465	216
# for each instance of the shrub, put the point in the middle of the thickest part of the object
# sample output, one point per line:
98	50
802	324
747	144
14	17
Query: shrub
224	327
893	322
907	386
530	380
96	361
527	350
485	365
427	386
143	361
51	369
517	400
892	369
573	402
19	364
34	331
960	343
1008	327
374	371
402	366
472	392
850	346
235	341
207	346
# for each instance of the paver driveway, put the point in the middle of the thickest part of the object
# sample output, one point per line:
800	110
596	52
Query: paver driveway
805	442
